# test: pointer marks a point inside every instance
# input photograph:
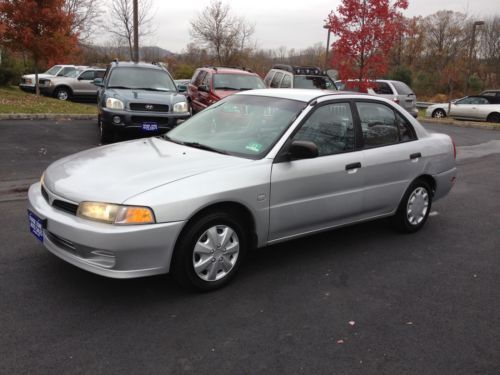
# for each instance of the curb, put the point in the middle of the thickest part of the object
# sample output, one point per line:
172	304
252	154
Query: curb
461	124
46	116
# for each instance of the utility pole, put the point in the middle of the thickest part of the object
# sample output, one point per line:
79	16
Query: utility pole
471	50
327	44
136	31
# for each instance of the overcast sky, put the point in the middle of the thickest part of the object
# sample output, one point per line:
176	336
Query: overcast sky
290	23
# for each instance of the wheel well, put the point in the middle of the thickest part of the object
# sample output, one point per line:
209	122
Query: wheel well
439	109
63	87
492	114
430	180
232	207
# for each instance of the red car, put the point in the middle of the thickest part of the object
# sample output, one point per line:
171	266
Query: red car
211	84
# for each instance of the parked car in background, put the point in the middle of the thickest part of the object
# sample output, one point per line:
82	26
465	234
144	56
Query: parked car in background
259	168
28	80
397	91
182	85
77	84
298	77
477	108
493	95
211	84
138	98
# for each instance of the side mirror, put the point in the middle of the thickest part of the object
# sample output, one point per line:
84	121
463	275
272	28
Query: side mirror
203	88
98	82
302	150
182	88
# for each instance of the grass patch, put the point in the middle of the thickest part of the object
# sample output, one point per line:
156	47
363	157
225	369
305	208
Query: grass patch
15	101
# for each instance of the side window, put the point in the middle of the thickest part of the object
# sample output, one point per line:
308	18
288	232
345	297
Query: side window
406	131
65	71
331	128
286	82
276	80
99	73
378	123
199	77
207	80
87	76
382	88
269	77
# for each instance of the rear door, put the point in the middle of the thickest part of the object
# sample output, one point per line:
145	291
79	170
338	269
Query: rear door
392	156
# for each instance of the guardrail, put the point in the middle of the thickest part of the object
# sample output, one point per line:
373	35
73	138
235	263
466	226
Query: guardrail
424	104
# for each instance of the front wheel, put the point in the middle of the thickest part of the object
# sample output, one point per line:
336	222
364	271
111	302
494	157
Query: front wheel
106	134
414	208
210	251
62	93
439	113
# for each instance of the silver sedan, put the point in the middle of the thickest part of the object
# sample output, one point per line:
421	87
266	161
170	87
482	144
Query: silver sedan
254	169
477	108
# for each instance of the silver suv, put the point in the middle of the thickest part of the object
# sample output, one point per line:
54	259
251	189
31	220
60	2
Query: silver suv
78	83
397	91
300	77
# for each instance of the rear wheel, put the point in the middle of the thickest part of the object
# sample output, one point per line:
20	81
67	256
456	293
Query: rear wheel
62	93
493	117
439	113
414	208
210	251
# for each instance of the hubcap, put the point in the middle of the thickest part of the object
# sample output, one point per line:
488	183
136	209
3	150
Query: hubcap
216	253
417	206
439	114
62	95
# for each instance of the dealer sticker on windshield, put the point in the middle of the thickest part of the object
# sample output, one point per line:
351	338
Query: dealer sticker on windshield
255	147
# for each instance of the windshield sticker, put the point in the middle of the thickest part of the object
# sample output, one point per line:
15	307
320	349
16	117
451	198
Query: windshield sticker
255	147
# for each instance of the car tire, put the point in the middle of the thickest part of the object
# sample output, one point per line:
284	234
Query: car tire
106	134
414	208
439	113
493	117
62	93
210	251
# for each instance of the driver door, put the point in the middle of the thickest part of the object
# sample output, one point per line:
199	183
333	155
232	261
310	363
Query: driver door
313	194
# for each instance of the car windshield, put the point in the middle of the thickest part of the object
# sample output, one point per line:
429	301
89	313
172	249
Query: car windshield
313	82
240	125
141	78
237	82
54	70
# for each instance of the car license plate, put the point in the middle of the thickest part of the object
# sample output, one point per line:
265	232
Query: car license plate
149	126
36	225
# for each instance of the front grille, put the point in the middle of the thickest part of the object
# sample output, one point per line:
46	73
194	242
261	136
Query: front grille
45	194
65	206
149	107
159	120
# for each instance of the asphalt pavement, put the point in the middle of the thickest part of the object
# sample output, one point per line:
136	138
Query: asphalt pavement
358	300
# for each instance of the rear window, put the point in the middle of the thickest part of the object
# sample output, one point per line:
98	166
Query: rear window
382	88
402	88
313	82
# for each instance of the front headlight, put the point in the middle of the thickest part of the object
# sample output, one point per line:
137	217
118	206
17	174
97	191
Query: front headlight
115	213
181	107
114	103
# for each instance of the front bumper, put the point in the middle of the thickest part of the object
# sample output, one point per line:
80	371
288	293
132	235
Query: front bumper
104	249
133	120
27	87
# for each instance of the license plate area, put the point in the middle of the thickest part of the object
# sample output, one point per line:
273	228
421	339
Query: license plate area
149	126
37	225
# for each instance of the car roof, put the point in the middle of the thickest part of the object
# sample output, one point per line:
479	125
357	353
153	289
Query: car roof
227	70
303	95
123	64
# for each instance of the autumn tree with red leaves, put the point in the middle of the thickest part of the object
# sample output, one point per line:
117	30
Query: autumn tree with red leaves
41	27
366	31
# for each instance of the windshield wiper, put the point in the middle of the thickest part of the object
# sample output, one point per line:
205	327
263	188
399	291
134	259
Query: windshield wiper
151	89
226	88
204	147
119	87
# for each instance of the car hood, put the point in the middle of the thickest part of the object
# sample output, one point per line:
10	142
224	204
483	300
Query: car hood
117	172
146	95
41	75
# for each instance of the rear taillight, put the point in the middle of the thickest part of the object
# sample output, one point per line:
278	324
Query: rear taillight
454	150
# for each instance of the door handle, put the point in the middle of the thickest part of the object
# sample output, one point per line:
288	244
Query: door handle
415	155
350	167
